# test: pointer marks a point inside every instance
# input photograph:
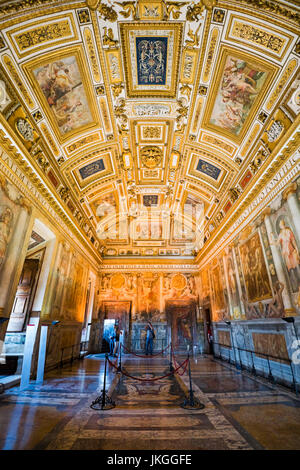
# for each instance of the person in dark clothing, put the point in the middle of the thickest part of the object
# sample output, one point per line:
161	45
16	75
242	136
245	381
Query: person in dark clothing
150	335
111	344
117	339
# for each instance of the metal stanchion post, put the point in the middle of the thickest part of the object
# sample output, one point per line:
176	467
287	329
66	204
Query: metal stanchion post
253	365
191	403
171	365
103	402
294	384
270	376
119	369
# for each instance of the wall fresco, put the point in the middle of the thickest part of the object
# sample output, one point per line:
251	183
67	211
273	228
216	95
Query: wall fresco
262	266
254	269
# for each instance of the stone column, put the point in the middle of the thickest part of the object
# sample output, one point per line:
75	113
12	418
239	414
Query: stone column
286	297
290	195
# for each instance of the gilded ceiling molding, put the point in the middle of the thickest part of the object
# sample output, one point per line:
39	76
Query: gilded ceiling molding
289	69
9	63
96	28
196	10
148	266
276	8
37	35
201	104
105	11
16	7
92	54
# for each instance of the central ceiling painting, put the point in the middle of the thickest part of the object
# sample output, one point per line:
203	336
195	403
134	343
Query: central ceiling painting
151	58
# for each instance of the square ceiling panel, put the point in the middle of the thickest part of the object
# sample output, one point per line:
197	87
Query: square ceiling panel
151	58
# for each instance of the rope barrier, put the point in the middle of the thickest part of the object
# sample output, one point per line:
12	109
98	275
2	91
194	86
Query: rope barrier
173	355
176	363
151	380
146	357
185	367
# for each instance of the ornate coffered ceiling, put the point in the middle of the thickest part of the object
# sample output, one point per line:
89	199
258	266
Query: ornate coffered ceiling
150	120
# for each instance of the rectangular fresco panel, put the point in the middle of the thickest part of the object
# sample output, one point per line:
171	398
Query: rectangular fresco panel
218	293
208	169
151	60
61	84
255	271
92	168
240	85
272	344
285	238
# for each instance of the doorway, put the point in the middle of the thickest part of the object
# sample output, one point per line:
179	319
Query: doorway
181	317
208	330
30	291
119	311
24	296
108	333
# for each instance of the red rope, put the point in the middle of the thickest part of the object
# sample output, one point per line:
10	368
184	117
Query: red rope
185	367
146	357
176	363
149	380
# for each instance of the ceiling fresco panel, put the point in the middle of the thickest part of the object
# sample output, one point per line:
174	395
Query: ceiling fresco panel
61	83
239	89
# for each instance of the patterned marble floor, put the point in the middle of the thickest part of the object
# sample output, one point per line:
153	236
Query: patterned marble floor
240	413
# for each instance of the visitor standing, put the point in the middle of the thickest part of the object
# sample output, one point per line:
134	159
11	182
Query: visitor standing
117	339
150	335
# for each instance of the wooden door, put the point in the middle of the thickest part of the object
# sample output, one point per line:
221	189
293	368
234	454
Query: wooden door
24	296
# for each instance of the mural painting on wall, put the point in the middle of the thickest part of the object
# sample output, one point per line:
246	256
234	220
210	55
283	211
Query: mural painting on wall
11	200
60	279
285	239
272	344
240	85
218	294
233	284
6	221
61	84
254	269
224	337
148	292
76	290
68	287
181	319
205	289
